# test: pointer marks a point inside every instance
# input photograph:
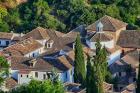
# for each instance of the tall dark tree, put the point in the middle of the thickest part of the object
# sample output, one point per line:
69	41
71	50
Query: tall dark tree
101	58
94	79
90	77
138	80
97	70
79	65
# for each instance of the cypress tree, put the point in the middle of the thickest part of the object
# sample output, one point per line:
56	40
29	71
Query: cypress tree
138	80
97	70
101	57
94	79
79	65
90	77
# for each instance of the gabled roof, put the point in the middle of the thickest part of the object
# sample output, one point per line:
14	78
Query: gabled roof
60	62
59	34
129	39
38	33
4	35
132	58
65	61
101	36
22	64
23	47
109	24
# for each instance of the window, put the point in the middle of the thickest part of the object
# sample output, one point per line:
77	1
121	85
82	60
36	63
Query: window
119	73
134	79
21	76
44	76
48	75
121	88
7	42
36	74
33	55
49	45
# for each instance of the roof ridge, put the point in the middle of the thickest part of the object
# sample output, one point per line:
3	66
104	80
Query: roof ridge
34	30
99	20
41	33
109	18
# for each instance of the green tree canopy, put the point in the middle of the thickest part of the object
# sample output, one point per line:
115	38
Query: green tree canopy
46	86
79	64
4	69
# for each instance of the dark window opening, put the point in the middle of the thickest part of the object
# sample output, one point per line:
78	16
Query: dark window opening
36	74
49	75
119	73
7	42
134	79
33	55
44	76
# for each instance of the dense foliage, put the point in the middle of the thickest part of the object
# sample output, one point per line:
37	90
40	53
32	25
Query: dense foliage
97	70
4	69
79	64
40	87
65	15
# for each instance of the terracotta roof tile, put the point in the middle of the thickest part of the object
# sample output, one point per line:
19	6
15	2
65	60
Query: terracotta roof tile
64	61
102	37
24	71
132	58
129	39
23	47
59	34
38	33
107	87
4	35
22	64
110	24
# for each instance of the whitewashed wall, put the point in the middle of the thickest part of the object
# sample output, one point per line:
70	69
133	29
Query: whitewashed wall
108	44
24	79
40	75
